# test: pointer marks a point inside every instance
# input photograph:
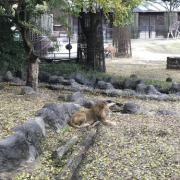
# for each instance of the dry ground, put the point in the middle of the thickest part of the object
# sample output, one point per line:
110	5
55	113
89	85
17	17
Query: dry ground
148	60
140	147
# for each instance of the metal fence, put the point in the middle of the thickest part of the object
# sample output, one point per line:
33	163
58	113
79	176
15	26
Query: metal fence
56	50
149	32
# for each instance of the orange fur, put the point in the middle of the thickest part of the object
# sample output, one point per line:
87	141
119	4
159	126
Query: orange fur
99	112
111	49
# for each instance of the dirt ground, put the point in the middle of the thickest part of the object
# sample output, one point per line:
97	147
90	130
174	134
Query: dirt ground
148	60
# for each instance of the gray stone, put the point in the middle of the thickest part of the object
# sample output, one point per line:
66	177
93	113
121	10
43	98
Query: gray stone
1	79
87	103
169	79
33	135
131	84
151	90
56	87
167	112
158	87
66	110
75	96
43	76
50	118
89	81
27	90
60	80
175	87
16	80
141	88
116	84
104	85
57	73
13	150
133	76
53	107
76	88
111	93
130	108
41	124
8	76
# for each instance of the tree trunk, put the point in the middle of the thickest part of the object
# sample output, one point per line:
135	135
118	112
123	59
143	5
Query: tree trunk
31	56
93	40
32	72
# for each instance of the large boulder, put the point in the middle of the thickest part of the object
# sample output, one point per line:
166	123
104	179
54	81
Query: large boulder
60	80
116	84
104	85
8	76
67	110
55	116
43	76
112	93
167	112
29	90
175	87
141	88
151	90
132	108
71	97
56	73
13	150
33	134
16	80
51	116
131	84
26	90
88	81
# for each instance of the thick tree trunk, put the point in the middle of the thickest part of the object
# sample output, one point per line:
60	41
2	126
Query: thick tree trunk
94	42
32	72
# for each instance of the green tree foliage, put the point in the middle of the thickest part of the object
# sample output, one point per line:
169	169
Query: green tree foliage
22	13
11	51
121	9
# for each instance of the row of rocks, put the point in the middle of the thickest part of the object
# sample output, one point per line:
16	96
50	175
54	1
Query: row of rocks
24	144
77	82
109	85
128	108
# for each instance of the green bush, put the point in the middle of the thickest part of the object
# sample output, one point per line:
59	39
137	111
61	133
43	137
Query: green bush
11	52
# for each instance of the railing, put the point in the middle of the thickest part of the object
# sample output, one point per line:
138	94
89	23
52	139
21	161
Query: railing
44	49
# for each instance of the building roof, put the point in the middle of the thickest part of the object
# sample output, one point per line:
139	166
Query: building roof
157	6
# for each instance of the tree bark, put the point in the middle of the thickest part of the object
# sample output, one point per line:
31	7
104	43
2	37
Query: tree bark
32	73
60	152
31	57
68	171
93	41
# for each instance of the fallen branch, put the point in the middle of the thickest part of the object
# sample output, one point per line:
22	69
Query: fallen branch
77	156
60	152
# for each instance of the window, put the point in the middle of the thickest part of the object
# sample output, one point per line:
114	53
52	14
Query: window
147	28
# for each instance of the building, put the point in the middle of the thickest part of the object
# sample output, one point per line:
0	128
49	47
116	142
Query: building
152	20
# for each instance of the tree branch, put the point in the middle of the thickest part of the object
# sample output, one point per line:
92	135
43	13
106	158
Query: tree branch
7	16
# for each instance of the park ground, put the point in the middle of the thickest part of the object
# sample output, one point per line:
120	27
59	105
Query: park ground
140	147
148	60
